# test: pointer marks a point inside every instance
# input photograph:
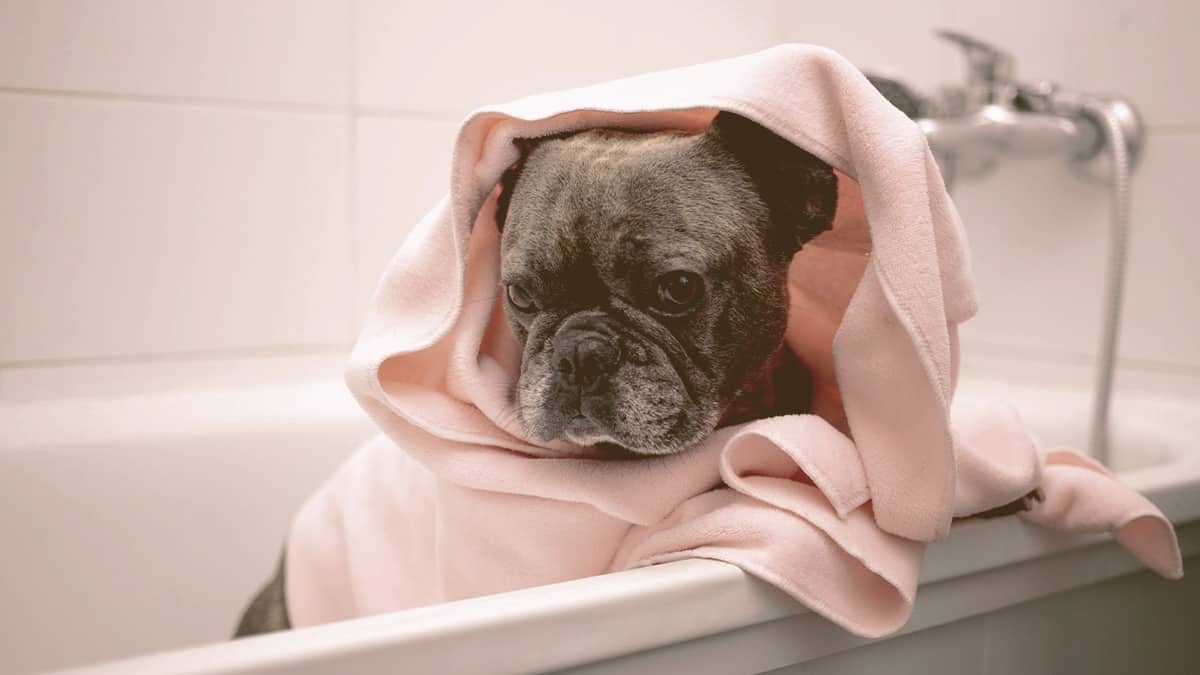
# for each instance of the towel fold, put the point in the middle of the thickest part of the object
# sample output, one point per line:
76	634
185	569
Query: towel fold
833	507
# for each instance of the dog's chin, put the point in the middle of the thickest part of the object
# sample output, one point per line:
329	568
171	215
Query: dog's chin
584	432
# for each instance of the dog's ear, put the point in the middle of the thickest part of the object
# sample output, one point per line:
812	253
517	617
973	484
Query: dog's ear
508	180
799	189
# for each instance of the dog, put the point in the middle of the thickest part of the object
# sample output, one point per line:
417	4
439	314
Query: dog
645	275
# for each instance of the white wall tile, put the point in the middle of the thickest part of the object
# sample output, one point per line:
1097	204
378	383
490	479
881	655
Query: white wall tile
1162	307
454	57
261	50
100	196
894	39
402	169
1142	49
137	229
1038	236
1040	239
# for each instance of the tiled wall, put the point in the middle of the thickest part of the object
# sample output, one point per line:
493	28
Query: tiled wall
1041	236
199	180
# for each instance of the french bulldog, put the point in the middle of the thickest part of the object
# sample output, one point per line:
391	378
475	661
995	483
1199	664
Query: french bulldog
645	275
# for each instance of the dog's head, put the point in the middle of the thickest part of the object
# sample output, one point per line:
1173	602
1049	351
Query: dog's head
645	275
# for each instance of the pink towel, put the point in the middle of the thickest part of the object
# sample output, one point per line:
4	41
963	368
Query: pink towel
833	507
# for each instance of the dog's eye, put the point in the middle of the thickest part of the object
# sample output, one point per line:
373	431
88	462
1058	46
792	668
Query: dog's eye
678	291
520	298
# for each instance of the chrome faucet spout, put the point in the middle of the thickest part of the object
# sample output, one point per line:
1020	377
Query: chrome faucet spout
977	140
989	70
969	128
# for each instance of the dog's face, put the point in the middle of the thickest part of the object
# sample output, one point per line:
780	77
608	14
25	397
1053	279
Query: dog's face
645	275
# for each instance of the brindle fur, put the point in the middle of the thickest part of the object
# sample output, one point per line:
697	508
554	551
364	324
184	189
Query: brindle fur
267	612
591	220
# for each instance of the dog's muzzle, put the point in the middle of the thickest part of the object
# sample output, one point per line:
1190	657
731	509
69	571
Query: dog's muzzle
586	352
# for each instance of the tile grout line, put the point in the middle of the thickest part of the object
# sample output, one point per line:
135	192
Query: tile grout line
402	113
244	105
437	115
1037	355
352	177
170	100
197	355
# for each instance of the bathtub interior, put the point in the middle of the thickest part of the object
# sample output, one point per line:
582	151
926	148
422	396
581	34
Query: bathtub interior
144	524
144	531
1147	429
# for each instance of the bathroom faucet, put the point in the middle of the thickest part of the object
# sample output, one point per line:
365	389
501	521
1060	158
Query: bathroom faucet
989	72
993	116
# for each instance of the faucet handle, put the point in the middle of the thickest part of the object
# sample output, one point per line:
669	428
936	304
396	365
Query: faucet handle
989	68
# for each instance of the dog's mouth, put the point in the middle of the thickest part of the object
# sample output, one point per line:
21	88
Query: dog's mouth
583	430
598	383
783	386
586	432
608	450
613	439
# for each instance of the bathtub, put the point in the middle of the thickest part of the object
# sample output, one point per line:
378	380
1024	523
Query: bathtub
140	524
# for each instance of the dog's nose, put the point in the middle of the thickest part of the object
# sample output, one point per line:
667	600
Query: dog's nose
585	358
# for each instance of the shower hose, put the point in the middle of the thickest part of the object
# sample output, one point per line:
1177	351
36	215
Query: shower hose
1114	292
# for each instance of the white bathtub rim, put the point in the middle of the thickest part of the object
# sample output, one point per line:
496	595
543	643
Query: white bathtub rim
680	594
652	607
648	608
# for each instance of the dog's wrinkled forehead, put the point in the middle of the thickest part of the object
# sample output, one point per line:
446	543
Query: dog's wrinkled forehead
613	200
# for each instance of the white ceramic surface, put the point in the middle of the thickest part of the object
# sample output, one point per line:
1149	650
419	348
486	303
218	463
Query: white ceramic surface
132	231
195	194
143	523
360	92
276	51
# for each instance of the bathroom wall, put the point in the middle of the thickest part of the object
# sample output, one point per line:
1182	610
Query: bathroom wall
1039	234
194	191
